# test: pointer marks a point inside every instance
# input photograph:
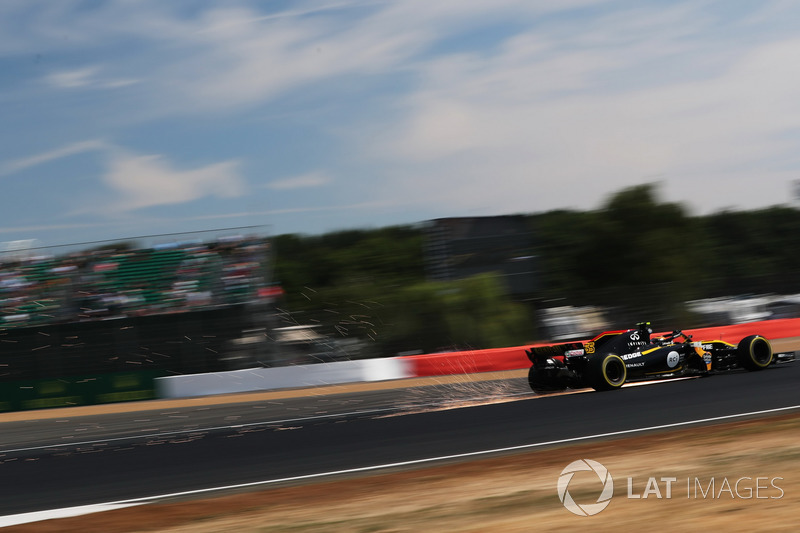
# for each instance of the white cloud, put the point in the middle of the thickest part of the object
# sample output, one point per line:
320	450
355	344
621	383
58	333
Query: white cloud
86	77
69	79
538	125
232	55
141	181
560	109
260	59
52	155
303	181
236	59
365	206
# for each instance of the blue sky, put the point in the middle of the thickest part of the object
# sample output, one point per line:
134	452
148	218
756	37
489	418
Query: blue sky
140	117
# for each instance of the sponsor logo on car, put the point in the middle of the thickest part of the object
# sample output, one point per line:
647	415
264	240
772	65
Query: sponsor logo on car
673	358
548	351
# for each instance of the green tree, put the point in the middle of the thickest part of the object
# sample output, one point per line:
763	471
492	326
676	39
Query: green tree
640	256
472	313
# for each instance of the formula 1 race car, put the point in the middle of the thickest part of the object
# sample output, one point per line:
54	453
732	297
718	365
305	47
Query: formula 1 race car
614	358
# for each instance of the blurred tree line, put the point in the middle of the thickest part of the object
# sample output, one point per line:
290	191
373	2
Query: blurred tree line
638	256
371	284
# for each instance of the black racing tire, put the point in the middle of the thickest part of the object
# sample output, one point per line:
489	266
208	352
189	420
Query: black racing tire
606	372
541	383
754	353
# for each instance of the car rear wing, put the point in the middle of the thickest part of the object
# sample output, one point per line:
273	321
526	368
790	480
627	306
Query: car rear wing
567	349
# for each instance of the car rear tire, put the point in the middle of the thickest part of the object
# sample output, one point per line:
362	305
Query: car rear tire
544	381
754	352
606	372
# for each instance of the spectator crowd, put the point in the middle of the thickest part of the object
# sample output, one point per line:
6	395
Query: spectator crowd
120	280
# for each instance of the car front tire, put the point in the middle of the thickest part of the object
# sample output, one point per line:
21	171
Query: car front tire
754	352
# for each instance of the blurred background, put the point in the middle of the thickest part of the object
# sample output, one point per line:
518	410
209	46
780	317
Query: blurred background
239	297
507	173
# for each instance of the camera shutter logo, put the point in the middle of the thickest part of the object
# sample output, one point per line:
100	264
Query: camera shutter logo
584	465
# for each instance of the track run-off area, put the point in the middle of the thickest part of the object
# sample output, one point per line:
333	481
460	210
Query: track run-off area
74	461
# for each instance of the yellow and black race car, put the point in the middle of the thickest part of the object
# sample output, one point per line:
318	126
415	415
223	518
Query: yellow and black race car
614	358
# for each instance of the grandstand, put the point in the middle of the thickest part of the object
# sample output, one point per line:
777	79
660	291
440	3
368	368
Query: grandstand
175	305
110	282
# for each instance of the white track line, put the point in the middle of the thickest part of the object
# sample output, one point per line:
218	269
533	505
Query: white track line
87	509
68	512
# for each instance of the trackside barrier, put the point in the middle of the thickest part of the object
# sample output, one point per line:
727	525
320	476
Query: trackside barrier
783	328
437	364
468	362
74	391
284	377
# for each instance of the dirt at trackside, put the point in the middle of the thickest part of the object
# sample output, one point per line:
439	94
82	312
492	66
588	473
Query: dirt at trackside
518	492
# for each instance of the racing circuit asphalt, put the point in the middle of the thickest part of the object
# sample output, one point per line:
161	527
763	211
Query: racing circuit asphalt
64	462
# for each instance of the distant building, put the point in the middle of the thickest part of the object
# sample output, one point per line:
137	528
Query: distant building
457	248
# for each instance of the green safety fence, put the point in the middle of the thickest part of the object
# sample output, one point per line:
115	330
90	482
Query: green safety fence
78	390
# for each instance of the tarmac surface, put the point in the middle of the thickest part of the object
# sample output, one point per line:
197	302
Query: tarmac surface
78	457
